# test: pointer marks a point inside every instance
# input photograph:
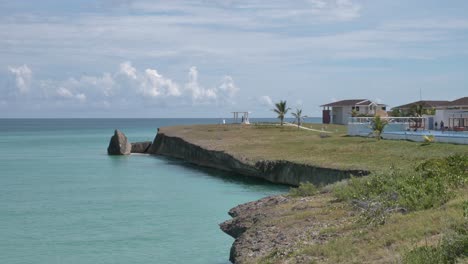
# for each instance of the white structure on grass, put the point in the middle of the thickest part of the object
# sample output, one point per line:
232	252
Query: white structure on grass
241	117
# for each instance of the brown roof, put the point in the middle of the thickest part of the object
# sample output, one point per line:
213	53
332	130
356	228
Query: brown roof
424	103
459	102
349	102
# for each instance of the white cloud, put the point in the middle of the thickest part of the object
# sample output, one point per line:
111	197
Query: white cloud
154	84
67	94
127	69
105	83
265	100
23	76
128	86
198	93
64	92
228	87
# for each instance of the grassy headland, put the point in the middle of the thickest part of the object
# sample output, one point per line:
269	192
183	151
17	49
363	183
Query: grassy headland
329	150
402	212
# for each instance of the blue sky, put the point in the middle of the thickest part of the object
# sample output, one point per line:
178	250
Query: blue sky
141	58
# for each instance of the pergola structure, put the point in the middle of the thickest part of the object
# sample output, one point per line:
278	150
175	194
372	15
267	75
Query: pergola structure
244	117
458	121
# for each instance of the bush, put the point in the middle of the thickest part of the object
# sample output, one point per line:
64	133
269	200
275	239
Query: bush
430	184
304	189
454	245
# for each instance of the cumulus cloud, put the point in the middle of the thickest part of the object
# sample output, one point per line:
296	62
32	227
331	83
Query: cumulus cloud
228	87
23	76
198	93
128	85
149	83
154	84
105	83
67	94
127	69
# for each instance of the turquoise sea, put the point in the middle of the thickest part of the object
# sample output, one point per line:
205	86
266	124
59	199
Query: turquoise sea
64	200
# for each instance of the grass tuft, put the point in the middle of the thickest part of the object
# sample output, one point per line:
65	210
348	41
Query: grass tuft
304	189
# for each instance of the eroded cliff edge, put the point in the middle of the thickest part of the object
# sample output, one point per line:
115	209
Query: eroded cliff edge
276	171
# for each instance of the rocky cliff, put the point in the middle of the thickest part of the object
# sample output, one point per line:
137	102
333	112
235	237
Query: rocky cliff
278	171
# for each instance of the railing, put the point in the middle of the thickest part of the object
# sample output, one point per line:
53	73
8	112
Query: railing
362	126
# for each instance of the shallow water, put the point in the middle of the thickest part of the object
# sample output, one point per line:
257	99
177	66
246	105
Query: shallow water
64	200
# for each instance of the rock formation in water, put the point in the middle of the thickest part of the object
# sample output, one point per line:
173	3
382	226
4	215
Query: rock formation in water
119	144
141	147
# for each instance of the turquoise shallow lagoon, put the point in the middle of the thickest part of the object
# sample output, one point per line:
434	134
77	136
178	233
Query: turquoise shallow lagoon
64	200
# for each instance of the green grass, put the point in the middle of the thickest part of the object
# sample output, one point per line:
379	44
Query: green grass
388	243
430	184
452	247
273	142
304	189
330	229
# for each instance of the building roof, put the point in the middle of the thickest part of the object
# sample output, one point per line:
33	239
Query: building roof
459	102
350	102
424	103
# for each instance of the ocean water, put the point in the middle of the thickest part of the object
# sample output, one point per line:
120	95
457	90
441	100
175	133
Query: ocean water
64	200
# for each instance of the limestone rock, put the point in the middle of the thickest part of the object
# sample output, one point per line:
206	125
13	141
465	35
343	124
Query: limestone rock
119	144
141	147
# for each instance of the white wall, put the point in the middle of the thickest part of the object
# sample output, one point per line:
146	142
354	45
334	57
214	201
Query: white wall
445	114
337	115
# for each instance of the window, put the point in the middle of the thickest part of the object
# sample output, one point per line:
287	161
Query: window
353	108
384	108
357	108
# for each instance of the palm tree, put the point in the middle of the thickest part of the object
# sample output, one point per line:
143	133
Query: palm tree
281	110
378	126
299	117
417	110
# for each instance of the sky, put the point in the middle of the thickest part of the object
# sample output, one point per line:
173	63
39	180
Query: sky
142	58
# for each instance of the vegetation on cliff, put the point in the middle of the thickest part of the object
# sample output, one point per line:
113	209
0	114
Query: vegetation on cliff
255	143
429	226
409	209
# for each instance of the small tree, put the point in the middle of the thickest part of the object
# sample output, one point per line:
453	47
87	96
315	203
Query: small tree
396	112
417	110
281	109
299	117
378	126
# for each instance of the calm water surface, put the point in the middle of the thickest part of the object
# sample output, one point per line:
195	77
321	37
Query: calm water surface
64	200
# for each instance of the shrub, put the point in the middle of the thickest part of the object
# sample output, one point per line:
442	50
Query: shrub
430	184
304	189
454	245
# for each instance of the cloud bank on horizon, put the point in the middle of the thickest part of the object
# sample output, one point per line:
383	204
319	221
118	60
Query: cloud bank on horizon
141	58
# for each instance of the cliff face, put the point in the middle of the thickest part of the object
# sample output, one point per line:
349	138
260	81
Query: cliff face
178	148
255	237
281	171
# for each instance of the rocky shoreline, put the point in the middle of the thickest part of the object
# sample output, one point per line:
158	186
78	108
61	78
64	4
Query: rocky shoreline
277	171
251	226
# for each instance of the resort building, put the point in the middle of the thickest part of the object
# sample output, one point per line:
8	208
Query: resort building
454	115
339	112
422	121
427	106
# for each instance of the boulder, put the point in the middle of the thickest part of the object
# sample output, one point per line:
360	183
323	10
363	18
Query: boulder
141	147
119	144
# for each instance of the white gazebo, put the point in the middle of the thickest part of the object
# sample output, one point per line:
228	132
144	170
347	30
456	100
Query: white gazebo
241	117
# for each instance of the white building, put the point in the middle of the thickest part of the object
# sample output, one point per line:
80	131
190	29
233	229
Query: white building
454	115
339	112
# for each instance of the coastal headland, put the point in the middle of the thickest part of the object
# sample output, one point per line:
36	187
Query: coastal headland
316	228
